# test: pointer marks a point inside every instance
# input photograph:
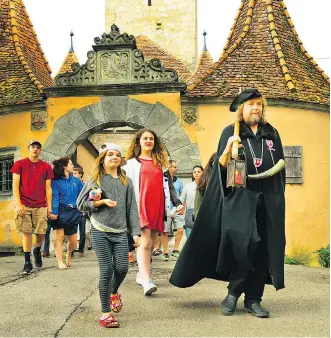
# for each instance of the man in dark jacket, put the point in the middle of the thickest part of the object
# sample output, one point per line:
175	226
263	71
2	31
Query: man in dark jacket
239	233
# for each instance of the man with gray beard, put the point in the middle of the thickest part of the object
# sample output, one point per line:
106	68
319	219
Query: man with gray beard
239	232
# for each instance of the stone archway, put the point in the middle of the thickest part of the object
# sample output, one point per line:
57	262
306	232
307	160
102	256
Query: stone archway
78	124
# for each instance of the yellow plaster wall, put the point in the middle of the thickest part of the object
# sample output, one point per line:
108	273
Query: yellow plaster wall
307	204
86	160
15	130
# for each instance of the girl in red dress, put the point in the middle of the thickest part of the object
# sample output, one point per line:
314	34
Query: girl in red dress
153	189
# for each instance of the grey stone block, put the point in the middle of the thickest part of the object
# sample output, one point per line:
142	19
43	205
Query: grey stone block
73	125
114	108
138	112
160	119
49	157
187	157
59	143
93	116
175	138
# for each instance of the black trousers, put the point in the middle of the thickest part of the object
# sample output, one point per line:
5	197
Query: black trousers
252	282
82	233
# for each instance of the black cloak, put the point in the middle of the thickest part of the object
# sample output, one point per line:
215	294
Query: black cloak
225	230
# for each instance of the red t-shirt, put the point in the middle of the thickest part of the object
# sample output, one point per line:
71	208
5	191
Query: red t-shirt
33	181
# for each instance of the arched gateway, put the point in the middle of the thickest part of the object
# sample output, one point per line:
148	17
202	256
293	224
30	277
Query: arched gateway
114	70
115	111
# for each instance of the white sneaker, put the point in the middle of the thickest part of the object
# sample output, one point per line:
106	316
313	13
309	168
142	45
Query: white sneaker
149	288
138	279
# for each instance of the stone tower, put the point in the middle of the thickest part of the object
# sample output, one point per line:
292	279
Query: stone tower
172	24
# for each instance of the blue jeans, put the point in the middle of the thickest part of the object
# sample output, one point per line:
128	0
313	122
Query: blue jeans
82	233
46	243
188	232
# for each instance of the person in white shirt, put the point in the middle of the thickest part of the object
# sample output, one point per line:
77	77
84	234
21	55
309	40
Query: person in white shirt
187	197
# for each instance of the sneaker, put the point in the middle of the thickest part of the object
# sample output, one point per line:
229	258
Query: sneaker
80	254
38	263
157	252
175	253
46	254
27	268
166	257
149	288
138	279
89	247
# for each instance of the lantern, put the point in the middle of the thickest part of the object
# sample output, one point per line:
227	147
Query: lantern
236	174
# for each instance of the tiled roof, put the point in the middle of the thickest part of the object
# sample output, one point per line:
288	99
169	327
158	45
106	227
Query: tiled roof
70	59
205	62
264	51
24	70
151	50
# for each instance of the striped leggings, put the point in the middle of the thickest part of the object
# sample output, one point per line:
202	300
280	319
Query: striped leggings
112	254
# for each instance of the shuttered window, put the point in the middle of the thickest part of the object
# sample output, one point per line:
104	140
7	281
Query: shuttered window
293	160
6	177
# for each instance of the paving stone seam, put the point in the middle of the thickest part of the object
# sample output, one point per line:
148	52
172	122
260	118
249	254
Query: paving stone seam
76	308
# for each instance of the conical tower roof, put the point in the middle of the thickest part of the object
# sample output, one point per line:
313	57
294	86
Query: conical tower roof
69	60
205	62
24	70
152	50
264	51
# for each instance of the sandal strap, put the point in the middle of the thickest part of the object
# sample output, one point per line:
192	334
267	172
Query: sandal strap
117	297
110	319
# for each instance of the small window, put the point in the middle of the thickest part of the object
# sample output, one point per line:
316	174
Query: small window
149	2
159	25
6	177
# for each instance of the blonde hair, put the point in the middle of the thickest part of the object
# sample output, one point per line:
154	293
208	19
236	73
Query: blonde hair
240	110
99	171
159	154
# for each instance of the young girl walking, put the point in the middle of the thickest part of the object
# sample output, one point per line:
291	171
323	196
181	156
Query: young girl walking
146	160
113	215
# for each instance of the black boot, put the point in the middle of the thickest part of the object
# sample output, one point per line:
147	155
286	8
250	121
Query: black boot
229	304
255	308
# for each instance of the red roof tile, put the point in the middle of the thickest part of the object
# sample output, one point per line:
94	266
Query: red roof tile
205	63
151	50
264	51
24	70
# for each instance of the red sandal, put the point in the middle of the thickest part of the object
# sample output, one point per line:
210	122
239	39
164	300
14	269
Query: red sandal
110	322
116	302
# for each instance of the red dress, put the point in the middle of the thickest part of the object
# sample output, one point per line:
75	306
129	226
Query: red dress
151	205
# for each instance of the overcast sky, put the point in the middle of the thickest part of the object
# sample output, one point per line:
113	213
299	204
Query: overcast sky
54	19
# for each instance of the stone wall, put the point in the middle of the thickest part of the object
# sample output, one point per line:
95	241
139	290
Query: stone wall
172	24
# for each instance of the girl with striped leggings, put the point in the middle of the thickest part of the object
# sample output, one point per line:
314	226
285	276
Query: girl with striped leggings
112	216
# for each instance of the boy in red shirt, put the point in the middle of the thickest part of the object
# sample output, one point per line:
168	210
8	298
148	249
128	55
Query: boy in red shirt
33	200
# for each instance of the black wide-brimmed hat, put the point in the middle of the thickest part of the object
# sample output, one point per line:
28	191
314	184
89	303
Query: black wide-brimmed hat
245	95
